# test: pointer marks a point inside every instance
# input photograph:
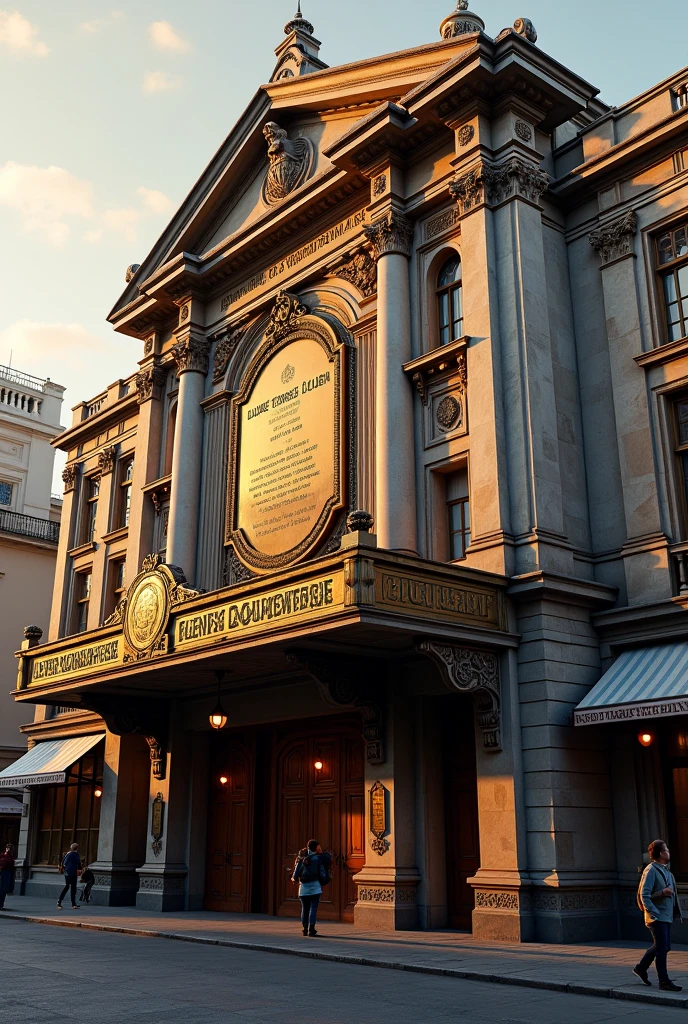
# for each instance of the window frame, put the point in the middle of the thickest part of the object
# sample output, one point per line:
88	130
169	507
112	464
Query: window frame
82	598
449	290
116	590
84	782
124	490
465	529
10	503
670	269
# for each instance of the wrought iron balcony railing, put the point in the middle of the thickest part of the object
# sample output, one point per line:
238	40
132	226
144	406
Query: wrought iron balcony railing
29	526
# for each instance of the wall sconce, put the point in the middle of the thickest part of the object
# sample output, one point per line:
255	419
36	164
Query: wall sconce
318	765
223	780
98	792
218	718
646	738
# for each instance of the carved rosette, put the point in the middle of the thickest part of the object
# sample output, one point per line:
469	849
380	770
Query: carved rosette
615	240
69	478
191	355
474	672
147	381
392	233
226	344
106	459
361	271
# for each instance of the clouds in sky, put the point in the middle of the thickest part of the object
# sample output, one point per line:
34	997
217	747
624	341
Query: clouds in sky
52	201
19	36
160	81
164	37
92	28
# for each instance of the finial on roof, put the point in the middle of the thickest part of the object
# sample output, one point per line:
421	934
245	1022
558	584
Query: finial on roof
298	21
461	22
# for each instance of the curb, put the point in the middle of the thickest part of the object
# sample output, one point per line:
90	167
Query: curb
572	988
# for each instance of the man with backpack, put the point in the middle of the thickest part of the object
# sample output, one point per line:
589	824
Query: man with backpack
311	872
658	899
71	865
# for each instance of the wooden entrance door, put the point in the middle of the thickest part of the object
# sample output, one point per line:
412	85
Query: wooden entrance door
461	808
230	826
326	805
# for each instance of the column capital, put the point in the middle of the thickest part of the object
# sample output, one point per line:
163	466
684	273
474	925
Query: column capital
390	233
147	380
191	354
69	477
614	240
483	183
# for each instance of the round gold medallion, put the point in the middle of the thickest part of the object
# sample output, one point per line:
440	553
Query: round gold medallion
147	611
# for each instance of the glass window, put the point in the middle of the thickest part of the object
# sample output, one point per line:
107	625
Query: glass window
83	598
459	515
70	813
126	472
672	259
117	586
450	301
92	492
5	493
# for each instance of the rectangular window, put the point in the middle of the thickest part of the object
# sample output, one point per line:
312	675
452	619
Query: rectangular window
91	495
116	587
458	514
672	260
681	96
681	430
70	813
126	472
5	493
83	598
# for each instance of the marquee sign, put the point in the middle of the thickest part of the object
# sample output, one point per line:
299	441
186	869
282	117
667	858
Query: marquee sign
287	472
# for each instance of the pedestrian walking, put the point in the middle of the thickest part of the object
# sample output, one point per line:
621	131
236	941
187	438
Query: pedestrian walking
658	899
88	880
311	874
71	865
6	874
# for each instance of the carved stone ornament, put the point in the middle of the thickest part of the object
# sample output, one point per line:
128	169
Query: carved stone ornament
448	413
466	135
334	680
468	190
145	609
524	27
147	381
615	240
225	348
191	355
69	478
496	900
106	459
389	234
523	130
360	521
291	162
494	185
380	185
33	633
130	271
442	222
461	22
285	315
471	671
361	271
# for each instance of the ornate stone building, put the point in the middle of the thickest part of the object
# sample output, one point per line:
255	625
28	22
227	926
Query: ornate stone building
397	485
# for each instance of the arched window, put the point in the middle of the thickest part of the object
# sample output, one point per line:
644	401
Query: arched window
450	301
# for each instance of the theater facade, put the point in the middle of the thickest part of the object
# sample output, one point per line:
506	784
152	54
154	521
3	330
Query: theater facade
383	541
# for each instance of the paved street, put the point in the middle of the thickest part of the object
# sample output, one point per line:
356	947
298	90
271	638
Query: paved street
60	975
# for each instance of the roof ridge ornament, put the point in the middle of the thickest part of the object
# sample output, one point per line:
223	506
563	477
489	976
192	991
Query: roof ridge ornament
299	22
461	22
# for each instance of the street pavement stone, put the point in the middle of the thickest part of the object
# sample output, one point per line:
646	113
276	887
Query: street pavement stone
140	980
602	969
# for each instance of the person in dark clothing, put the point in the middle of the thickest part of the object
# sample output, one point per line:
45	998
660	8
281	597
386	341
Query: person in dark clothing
88	880
658	898
309	872
71	866
6	873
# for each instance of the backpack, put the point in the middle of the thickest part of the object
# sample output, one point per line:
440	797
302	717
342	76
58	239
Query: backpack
309	869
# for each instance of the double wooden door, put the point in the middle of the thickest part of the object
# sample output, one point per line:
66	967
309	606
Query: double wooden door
326	804
230	828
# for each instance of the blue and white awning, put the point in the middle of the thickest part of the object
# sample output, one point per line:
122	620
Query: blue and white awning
649	682
46	764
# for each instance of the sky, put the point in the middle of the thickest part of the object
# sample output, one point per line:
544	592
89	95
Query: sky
111	110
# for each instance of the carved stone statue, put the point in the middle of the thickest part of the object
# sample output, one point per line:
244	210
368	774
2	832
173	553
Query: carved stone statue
291	162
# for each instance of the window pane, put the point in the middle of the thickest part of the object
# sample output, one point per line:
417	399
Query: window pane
466	515
444	309
675	332
669	287
444	336
467	540
450	272
665	248
455	514
5	493
43	855
457	485
681	242
456	546
682	275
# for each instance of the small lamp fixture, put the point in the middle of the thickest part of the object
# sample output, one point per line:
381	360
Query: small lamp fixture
218	718
318	765
98	792
223	780
646	738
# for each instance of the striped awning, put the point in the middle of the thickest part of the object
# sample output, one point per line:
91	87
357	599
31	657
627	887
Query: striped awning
649	682
47	763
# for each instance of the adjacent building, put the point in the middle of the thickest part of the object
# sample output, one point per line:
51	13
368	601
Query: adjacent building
395	493
29	532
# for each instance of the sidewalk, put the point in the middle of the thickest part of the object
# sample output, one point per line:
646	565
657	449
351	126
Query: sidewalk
589	969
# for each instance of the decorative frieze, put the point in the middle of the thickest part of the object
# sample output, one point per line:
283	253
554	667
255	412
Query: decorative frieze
106	459
161	883
442	222
392	233
614	240
496	900
385	894
556	901
191	355
69	478
226	344
476	672
361	271
147	381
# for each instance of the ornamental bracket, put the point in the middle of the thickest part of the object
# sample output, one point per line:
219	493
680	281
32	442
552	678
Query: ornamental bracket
474	672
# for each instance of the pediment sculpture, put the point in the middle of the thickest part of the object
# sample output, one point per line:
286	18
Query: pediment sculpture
291	162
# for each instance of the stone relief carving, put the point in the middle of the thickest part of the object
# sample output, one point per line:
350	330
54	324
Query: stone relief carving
380	185
448	413
147	381
468	190
466	134
573	901
69	478
361	271
441	223
376	894
191	355
226	345
103	880
496	900
130	271
524	27
515	177
291	162
523	130
392	232
285	315
476	672
106	459
615	239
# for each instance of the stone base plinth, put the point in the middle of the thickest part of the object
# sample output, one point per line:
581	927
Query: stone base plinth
115	885
574	915
386	901
163	890
503	915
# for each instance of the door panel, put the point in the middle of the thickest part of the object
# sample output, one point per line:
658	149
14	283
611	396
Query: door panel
461	808
230	824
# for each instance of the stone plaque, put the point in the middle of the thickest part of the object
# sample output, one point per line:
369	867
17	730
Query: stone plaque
286	473
378	810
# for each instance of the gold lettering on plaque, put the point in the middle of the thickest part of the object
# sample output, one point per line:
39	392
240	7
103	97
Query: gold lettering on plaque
378	811
79	661
287	448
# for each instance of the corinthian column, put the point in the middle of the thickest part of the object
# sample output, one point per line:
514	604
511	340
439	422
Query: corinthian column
191	356
390	239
